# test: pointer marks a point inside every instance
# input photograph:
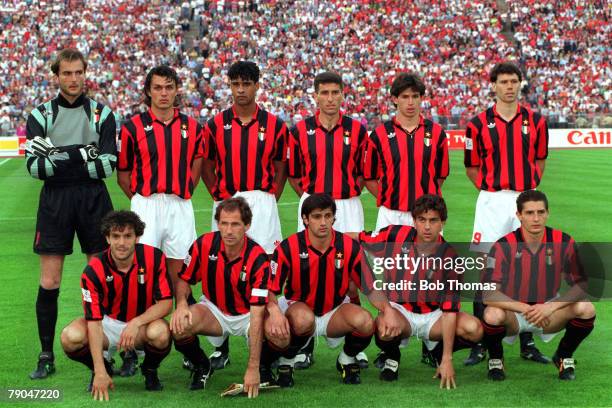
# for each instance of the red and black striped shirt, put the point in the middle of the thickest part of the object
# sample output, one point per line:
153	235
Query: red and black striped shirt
400	240
244	152
321	280
534	277
328	161
160	156
124	296
406	165
506	152
233	286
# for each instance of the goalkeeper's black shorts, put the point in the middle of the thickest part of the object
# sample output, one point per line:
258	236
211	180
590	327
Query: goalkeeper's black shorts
64	210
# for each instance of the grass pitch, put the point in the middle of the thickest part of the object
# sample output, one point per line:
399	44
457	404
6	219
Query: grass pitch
577	183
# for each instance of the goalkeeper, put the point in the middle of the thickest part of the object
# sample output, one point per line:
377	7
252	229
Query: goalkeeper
71	147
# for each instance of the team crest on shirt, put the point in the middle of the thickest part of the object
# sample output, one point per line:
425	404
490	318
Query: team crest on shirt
97	114
549	254
262	134
213	257
148	128
427	139
525	127
243	273
339	261
391	135
227	127
491	125
273	267
304	255
347	138
86	295
184	130
141	276
310	132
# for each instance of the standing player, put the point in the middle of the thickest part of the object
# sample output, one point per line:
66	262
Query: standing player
326	156
159	167
245	155
406	157
528	265
126	295
432	316
235	272
71	147
316	267
505	151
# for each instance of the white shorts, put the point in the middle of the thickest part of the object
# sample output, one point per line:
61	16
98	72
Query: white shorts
495	217
420	324
349	214
170	223
525	326
265	226
321	322
231	325
387	217
112	329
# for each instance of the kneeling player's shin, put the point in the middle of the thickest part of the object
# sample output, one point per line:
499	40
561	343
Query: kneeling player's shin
390	346
83	356
154	356
576	330
190	348
493	336
270	353
356	342
460	343
296	343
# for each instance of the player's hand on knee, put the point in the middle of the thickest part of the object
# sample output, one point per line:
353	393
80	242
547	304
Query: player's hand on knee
101	384
181	319
127	340
389	326
251	382
279	325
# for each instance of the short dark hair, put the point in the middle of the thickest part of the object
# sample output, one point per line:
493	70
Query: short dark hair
118	220
429	202
530	195
318	202
407	80
327	77
67	54
505	68
164	71
245	70
235	204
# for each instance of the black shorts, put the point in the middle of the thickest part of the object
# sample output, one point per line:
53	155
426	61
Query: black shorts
64	210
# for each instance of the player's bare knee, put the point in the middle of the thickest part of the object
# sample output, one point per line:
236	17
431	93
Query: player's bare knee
494	316
470	329
73	337
302	324
158	333
584	310
363	322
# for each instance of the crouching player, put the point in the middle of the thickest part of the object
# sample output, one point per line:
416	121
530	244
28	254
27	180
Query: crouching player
235	272
528	265
126	295
316	267
431	315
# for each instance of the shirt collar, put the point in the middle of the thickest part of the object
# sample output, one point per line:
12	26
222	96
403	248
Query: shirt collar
399	125
63	102
113	265
318	121
237	118
332	243
240	257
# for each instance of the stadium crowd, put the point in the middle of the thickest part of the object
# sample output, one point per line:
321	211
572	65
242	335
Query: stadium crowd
452	44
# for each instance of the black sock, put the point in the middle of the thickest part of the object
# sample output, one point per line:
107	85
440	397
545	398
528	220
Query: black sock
224	348
83	356
296	344
526	340
478	310
461	343
46	316
492	339
576	330
269	353
154	356
389	347
309	347
355	343
437	352
190	348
